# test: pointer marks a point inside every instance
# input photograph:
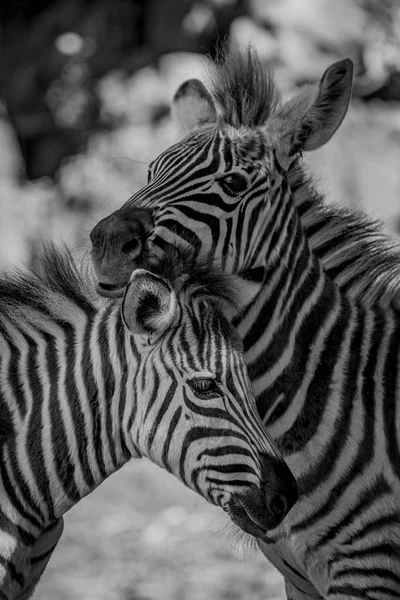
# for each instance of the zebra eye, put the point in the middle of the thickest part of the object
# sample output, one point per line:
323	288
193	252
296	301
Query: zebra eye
148	176
204	386
233	184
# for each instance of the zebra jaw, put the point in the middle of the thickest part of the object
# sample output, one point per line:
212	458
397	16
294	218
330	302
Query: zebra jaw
250	513
240	517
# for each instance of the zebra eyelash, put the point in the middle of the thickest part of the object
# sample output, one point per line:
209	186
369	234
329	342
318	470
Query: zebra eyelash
233	184
204	387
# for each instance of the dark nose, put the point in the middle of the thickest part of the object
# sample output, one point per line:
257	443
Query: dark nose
122	231
118	243
260	509
278	486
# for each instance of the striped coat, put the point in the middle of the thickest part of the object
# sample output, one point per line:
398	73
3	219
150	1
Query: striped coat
318	319
84	388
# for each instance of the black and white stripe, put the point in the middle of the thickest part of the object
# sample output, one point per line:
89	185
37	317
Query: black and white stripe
321	336
80	395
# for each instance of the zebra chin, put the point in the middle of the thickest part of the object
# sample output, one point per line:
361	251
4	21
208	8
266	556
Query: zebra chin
255	513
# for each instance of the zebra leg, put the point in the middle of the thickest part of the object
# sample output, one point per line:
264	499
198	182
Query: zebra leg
40	555
293	593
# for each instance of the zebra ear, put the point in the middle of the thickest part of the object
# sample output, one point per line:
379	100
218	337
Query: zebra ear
310	119
149	306
193	107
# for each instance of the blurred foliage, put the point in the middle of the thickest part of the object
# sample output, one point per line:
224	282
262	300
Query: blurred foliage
54	54
85	90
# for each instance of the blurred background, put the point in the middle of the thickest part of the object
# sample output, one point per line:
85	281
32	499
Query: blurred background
85	87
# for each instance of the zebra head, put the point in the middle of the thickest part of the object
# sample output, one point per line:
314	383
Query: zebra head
195	413
220	187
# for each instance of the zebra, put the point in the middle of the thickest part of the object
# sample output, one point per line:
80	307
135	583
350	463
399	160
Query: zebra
318	312
84	388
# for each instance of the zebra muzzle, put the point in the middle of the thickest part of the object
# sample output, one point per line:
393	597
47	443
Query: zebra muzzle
256	512
118	247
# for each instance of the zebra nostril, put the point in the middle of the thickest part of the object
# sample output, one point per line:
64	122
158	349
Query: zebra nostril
278	505
279	486
130	246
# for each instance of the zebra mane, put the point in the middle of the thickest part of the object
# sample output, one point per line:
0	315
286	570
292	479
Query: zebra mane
357	253
243	87
56	288
195	276
59	288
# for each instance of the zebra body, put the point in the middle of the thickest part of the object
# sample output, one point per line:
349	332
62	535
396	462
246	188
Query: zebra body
83	389
318	319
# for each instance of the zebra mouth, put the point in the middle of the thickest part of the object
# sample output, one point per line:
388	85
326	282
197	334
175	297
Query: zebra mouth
255	512
242	519
109	290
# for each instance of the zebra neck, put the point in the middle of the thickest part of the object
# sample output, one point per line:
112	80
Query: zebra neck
281	266
355	250
285	328
316	357
63	394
